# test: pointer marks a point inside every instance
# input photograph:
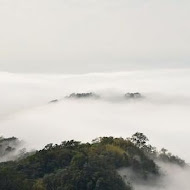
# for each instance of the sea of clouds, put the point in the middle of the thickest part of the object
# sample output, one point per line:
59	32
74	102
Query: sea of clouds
163	115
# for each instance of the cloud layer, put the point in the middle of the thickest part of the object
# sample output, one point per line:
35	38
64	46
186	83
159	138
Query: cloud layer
163	115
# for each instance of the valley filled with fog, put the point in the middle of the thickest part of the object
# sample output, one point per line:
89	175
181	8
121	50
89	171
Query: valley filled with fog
162	114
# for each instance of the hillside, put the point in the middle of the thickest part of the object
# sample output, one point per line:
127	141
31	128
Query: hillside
73	165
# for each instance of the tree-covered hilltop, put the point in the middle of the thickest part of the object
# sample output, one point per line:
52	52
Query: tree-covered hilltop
83	95
133	95
73	165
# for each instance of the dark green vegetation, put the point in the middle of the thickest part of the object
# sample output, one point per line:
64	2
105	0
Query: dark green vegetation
76	166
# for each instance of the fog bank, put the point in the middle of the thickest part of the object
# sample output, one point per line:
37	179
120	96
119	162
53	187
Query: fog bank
163	115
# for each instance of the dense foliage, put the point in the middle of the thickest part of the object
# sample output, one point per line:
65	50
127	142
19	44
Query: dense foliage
77	166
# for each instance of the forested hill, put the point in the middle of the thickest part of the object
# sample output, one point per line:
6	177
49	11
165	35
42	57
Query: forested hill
85	166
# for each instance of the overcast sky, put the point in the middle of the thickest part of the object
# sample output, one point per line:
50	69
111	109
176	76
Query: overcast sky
78	36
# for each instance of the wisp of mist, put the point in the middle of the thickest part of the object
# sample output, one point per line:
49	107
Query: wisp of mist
173	178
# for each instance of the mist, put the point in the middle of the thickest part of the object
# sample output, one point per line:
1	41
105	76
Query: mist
163	115
172	177
11	149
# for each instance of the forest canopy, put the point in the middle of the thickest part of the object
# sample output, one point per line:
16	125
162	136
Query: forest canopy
73	165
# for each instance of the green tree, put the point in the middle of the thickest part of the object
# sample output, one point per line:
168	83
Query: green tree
139	139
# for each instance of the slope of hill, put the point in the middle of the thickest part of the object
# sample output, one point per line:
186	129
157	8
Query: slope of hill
73	165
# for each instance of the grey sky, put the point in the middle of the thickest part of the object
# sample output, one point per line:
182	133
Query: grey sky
77	36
